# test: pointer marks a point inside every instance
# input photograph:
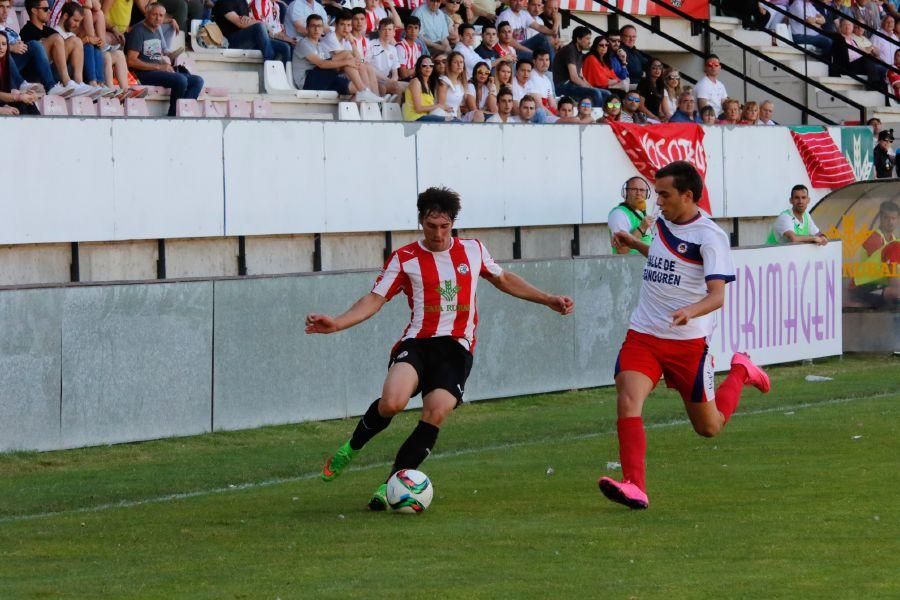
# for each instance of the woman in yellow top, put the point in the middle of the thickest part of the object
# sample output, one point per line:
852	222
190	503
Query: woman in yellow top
418	99
118	18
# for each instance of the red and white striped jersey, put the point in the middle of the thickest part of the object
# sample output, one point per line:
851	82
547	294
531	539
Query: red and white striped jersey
362	46
440	287
373	17
408	53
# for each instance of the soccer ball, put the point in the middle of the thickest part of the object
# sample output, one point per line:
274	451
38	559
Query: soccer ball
409	491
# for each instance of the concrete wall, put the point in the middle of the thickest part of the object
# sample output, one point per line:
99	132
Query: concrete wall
97	364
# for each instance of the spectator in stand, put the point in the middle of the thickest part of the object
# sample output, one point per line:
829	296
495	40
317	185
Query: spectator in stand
708	115
548	14
618	59
568	111
440	64
709	89
451	90
479	94
766	112
410	48
886	47
378	10
383	57
418	98
867	12
520	83
597	67
686	111
631	110
585	113
542	81
875	124
503	76
749	113
13	100
358	32
528	110
612	111
339	42
731	112
651	89
884	155
486	48
796	224
521	21
184	11
64	54
671	93
483	11
244	32
435	26
466	47
118	19
268	12
806	11
893	76
504	108
504	45
95	60
30	58
144	52
775	17
295	16
636	61
451	8
567	73
851	55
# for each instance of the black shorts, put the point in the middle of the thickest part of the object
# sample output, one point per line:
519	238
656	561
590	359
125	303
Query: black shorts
441	363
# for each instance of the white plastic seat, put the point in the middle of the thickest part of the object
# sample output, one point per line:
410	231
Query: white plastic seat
215	110
187	108
369	111
262	109
136	107
289	73
275	78
348	111
391	111
82	106
53	106
110	107
240	109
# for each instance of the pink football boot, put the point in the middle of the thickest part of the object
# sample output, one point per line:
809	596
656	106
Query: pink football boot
755	376
624	492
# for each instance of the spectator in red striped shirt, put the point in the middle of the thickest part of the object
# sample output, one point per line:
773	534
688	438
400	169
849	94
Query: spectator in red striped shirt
358	32
376	11
504	45
439	276
410	48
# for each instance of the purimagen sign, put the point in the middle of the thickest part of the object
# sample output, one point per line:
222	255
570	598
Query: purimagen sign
784	305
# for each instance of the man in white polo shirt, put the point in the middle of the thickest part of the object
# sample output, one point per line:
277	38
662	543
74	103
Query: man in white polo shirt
709	89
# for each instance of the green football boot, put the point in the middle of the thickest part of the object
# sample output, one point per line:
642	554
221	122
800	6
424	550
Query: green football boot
338	462
379	499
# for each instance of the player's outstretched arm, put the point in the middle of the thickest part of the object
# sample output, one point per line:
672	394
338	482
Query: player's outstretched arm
514	285
714	299
623	239
361	310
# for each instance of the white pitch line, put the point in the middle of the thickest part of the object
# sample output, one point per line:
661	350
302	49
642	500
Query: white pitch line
437	456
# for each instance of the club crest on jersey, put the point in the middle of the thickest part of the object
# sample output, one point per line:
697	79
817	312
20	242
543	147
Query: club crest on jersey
682	248
448	291
462	268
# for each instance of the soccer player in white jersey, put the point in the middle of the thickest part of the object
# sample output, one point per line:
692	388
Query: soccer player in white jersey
439	275
688	265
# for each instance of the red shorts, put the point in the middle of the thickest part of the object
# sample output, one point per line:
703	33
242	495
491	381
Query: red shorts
686	364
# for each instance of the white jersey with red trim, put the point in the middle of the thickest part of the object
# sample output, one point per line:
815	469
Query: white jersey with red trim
439	286
682	258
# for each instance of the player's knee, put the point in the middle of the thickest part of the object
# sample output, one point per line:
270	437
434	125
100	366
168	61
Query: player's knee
707	430
436	415
628	404
391	405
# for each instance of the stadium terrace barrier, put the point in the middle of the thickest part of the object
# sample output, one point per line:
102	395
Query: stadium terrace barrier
164	179
85	365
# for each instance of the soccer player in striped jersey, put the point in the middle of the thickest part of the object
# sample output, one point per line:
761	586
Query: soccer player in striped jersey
438	275
688	265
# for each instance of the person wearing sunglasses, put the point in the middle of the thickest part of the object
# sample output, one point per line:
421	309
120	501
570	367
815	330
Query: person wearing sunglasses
709	89
650	87
670	91
631	110
62	53
418	98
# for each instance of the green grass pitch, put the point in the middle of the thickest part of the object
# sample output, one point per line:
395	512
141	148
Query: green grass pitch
798	498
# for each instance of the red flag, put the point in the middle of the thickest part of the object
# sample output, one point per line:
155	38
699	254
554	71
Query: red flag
651	147
825	165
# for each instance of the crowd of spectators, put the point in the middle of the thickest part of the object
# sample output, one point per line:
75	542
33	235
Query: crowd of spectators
850	47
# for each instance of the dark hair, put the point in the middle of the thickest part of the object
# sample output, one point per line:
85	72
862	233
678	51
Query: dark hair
711	56
486	27
565	100
5	79
479	88
685	178
411	20
359	10
524	61
579	32
504	91
606	59
874	120
622	29
708	109
464	27
503	24
429	84
313	17
69	9
384	23
540	52
527	98
30	5
343	15
888	206
440	200
799	187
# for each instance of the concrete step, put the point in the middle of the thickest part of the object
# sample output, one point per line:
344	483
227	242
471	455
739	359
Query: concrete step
725	24
751	38
840	84
236	82
219	62
812	68
867	98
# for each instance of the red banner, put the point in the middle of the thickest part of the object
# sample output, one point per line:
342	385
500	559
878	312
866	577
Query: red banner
699	9
651	147
825	165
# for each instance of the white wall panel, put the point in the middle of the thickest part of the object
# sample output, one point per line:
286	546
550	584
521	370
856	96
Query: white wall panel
464	157
540	178
56	189
168	178
761	166
370	177
605	167
715	170
274	177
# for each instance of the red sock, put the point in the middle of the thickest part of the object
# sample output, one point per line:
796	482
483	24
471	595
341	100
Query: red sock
729	393
632	449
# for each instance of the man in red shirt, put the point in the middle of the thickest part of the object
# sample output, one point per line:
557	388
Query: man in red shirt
439	275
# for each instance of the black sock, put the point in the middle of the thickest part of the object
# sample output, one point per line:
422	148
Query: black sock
370	425
417	447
